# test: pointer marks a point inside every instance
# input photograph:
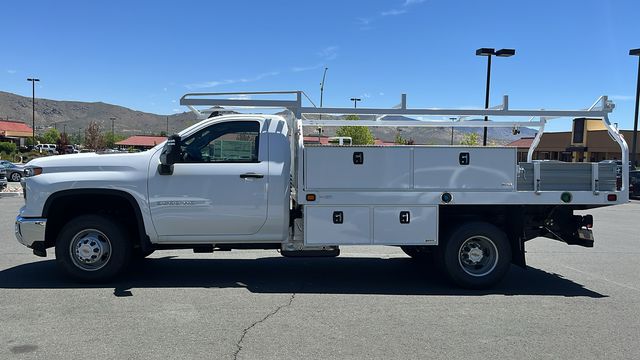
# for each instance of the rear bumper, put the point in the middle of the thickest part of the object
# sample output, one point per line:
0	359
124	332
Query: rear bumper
30	230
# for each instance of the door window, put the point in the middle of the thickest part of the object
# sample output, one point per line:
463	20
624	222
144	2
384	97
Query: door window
227	142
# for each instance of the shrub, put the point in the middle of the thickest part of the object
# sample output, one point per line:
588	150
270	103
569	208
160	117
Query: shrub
8	147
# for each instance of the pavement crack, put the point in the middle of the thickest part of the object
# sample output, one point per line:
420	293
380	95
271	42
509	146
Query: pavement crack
265	318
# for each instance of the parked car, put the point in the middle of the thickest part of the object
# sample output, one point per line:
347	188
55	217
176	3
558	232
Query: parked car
46	148
69	149
3	179
634	183
13	172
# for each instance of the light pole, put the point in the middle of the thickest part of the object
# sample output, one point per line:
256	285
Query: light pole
452	120
112	121
635	52
33	108
324	75
355	102
167	125
488	52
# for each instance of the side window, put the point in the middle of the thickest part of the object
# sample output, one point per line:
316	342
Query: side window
227	142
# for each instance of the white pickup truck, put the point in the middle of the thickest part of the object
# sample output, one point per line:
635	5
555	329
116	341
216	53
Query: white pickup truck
247	181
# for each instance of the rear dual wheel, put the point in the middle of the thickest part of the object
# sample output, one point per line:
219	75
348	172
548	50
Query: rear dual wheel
477	255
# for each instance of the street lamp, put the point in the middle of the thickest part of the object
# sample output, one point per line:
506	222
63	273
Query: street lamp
33	108
635	52
452	120
112	121
355	102
488	52
324	75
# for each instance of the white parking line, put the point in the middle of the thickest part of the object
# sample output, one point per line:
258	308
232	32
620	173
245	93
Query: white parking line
601	278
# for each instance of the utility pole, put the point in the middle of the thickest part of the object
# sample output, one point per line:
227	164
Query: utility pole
167	125
33	108
635	52
112	121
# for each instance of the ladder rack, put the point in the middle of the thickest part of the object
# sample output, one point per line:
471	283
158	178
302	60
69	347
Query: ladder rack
599	110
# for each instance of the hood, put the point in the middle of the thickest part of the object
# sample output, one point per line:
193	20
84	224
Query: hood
93	162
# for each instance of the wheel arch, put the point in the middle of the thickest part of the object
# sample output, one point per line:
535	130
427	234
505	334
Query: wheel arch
63	205
510	219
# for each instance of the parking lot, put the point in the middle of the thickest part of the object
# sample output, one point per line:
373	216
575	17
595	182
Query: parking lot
371	302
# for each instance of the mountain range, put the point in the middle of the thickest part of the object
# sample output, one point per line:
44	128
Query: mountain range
73	116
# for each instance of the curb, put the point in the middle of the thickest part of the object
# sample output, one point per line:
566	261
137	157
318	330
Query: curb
9	194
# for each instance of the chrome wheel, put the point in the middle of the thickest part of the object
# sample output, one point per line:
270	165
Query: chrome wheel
15	176
478	256
90	250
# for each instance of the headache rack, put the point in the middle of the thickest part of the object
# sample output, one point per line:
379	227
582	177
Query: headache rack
293	101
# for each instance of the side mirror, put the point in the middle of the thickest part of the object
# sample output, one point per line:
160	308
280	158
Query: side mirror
170	154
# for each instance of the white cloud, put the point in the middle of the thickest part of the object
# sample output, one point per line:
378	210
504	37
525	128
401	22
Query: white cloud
329	52
381	93
403	9
173	101
306	68
365	96
11	72
622	97
214	83
412	2
393	12
164	89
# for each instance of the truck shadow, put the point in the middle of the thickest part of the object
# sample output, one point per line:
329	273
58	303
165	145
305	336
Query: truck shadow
342	275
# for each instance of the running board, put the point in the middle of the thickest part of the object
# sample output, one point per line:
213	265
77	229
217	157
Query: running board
330	251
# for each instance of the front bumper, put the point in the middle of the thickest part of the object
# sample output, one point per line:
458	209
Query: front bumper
30	230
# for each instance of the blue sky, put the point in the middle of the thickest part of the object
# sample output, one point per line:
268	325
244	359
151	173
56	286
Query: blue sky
146	54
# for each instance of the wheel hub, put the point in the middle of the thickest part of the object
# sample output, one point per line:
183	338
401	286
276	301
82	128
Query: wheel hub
478	256
90	250
475	255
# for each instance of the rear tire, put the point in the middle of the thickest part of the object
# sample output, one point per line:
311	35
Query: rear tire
93	248
476	256
15	177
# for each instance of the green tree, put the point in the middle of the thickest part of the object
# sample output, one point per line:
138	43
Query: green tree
470	139
110	139
360	135
51	136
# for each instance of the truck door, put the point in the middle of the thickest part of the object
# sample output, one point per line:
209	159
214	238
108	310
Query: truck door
219	187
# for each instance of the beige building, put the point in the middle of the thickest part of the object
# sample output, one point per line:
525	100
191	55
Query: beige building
588	141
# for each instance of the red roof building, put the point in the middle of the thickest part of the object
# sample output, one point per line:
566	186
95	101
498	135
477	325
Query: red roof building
15	129
142	141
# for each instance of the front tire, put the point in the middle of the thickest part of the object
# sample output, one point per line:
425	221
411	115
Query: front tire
476	256
93	248
15	177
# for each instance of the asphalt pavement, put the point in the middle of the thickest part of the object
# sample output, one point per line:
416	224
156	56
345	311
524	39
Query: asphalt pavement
371	302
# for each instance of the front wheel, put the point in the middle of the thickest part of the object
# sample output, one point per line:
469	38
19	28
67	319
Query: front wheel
92	248
15	177
477	255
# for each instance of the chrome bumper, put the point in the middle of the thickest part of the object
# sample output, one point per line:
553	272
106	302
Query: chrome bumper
30	230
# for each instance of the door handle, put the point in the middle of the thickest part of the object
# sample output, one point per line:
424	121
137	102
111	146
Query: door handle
251	175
